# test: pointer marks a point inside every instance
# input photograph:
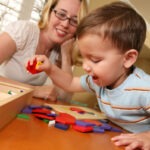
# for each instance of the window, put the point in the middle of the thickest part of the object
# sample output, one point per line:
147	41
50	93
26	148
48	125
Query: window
9	11
12	10
36	11
37	8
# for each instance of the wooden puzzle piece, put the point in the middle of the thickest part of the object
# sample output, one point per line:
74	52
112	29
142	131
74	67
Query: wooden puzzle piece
32	68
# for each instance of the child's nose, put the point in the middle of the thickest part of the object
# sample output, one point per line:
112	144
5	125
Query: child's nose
86	67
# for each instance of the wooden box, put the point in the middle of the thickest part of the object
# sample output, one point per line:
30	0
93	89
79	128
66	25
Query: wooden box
14	96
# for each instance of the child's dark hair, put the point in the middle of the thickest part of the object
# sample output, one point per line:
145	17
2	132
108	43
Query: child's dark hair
118	22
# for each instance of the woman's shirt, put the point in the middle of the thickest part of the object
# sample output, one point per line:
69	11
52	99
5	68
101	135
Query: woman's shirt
26	35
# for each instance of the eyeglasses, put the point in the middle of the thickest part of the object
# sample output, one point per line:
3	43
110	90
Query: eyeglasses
62	16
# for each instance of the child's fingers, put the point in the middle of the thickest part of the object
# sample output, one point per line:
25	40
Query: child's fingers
40	58
122	136
134	145
38	64
122	142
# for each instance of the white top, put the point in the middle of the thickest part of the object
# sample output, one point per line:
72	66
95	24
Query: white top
26	36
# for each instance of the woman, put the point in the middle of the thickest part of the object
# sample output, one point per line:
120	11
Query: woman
53	37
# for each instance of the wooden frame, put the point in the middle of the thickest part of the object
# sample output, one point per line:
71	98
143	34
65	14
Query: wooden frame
12	103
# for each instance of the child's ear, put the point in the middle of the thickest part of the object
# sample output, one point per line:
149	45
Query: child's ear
130	58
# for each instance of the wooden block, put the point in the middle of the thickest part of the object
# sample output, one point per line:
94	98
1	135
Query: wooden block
14	96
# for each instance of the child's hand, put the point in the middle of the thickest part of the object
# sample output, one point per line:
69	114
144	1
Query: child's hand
132	141
31	67
42	64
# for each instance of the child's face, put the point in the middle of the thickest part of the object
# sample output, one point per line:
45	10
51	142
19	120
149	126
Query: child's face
102	61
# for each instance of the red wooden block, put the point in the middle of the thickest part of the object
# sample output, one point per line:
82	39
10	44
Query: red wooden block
96	122
77	110
41	111
65	118
42	116
82	128
32	68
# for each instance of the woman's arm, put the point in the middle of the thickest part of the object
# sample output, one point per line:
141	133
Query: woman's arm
46	92
7	47
66	53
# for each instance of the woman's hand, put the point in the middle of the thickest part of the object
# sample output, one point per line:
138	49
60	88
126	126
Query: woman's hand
46	92
67	47
133	141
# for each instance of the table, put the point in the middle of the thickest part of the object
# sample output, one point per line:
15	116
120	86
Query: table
34	134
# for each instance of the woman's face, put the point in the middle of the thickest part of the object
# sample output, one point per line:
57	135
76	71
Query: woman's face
61	30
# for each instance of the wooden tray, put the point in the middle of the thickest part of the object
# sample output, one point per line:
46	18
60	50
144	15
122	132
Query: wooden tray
89	113
13	97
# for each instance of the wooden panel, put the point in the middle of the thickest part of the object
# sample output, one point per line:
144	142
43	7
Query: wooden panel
12	103
89	113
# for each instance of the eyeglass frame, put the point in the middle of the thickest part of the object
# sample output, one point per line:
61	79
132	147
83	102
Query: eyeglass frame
56	12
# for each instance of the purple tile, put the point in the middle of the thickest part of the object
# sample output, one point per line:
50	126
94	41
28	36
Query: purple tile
27	110
52	115
35	106
116	129
83	123
98	129
106	126
61	126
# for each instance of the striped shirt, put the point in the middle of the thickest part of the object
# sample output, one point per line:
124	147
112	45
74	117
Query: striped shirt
128	105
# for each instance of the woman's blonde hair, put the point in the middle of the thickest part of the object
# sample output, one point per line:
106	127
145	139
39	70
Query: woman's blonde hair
51	4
